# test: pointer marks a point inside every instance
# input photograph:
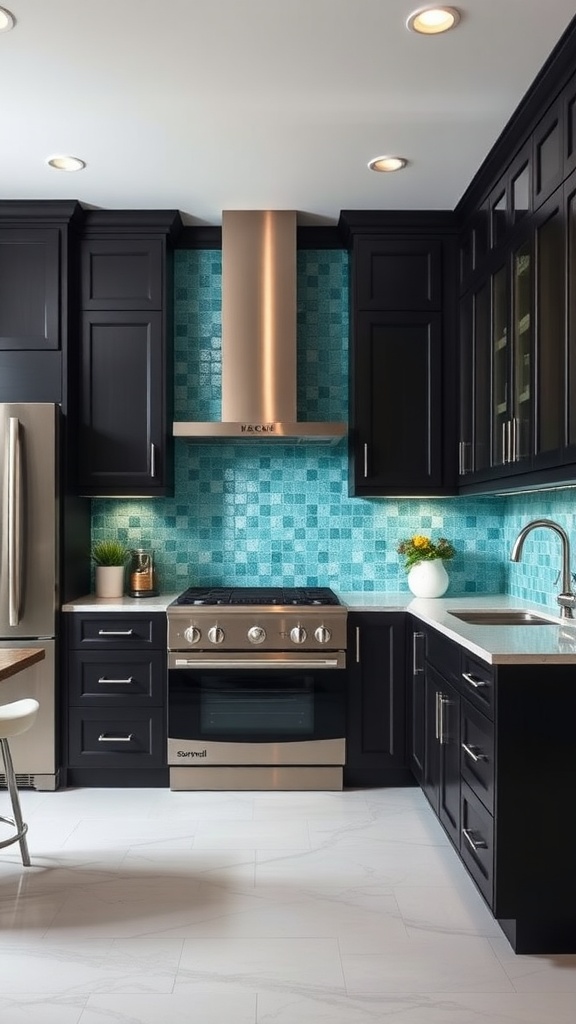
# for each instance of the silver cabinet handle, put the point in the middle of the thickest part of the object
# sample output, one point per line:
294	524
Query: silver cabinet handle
14	525
476	844
442	738
365	461
461	458
103	679
417	662
471	753
152	460
514	454
504	448
474	681
510	457
437	716
104	737
115	632
357	645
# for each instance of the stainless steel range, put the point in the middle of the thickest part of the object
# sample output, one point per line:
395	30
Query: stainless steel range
256	688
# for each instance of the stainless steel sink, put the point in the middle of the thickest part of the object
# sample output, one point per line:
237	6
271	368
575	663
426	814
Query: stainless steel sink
502	617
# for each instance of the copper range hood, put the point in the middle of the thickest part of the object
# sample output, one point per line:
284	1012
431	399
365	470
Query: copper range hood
259	335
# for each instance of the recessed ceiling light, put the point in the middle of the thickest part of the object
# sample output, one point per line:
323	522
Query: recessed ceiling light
387	163
66	163
430	21
7	20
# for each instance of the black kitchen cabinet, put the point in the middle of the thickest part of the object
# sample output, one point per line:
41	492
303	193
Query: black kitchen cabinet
125	435
402	363
495	757
116	706
123	387
375	730
39	244
441	780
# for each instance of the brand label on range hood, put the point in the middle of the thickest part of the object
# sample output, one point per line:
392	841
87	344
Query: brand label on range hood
257	428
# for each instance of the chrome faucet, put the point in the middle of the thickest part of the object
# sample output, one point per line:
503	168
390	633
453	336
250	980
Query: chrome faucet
567	599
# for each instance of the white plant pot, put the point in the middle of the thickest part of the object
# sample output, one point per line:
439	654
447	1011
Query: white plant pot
428	579
109	580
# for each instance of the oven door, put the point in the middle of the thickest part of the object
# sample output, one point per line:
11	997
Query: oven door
273	709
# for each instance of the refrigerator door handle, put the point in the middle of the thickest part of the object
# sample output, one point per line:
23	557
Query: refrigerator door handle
15	524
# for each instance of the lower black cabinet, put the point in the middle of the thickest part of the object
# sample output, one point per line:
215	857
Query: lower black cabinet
116	699
375	732
441	782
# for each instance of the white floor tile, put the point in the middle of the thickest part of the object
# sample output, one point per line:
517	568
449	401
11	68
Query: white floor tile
146	906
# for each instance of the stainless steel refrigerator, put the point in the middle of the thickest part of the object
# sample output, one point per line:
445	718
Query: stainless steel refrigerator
29	559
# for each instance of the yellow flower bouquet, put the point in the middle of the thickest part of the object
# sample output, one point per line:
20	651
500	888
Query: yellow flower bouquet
422	549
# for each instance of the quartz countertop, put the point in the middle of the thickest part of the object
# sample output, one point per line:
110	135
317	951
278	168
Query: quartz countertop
554	643
498	645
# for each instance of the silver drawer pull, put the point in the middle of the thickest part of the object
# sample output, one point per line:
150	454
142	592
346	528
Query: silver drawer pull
476	844
105	738
471	753
103	679
115	632
474	681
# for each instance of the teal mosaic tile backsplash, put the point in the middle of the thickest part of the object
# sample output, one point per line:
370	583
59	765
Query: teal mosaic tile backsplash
261	514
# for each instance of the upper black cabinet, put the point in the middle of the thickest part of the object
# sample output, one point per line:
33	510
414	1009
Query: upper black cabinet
39	243
397	274
401	352
125	445
118	274
30	276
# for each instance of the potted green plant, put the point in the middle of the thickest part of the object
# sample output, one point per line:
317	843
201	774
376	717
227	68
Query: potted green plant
109	557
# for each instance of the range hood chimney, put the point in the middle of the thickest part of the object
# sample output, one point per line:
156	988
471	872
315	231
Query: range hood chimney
259	334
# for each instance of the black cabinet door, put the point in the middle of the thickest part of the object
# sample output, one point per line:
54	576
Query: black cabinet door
122	273
397	403
441	779
375	731
121	443
416	702
29	289
398	274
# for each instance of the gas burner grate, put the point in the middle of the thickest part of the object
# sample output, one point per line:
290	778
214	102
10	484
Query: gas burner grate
271	596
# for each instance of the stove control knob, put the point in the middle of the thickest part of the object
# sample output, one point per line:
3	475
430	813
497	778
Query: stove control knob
322	634
298	635
256	635
216	635
192	635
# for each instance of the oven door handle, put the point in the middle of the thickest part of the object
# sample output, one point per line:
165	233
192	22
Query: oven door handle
176	661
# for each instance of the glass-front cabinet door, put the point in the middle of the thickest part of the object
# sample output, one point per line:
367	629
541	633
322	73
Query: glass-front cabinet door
550	434
518	432
500	367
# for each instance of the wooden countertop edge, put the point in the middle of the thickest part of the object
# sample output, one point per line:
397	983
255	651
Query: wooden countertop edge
13	660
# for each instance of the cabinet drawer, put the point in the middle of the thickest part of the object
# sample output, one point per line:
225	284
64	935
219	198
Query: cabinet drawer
477	684
444	655
126	677
477	753
116	737
118	630
477	841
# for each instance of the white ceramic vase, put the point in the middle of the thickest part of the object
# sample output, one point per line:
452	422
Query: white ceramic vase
428	578
109	580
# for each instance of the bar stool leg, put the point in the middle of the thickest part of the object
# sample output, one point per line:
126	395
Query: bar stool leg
13	790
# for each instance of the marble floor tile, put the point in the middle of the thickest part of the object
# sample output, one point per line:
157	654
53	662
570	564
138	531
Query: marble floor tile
311	966
145	906
455	964
209	1005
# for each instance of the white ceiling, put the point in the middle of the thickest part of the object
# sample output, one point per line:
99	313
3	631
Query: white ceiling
205	105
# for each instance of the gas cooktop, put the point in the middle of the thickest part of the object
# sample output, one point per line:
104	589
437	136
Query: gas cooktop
267	596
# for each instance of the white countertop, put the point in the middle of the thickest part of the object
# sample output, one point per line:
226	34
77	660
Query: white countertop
529	645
